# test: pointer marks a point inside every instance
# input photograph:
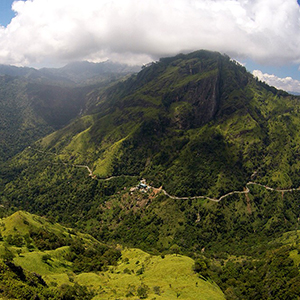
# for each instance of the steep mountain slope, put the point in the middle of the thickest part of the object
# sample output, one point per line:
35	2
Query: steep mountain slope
198	124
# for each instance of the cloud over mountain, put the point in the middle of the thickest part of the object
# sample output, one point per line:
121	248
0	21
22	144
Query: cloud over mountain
59	31
287	84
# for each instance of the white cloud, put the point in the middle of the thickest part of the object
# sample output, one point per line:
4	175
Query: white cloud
63	30
287	84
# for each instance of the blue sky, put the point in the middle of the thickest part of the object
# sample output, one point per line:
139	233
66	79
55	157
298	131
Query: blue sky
264	35
291	70
6	14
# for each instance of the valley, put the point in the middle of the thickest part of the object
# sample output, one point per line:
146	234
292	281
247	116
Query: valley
183	179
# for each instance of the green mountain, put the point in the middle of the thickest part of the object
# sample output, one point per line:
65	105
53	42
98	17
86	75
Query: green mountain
43	260
218	150
197	124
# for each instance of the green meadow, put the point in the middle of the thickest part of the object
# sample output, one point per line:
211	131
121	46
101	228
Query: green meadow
141	275
134	275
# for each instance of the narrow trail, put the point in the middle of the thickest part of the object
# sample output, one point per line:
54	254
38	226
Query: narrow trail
76	166
245	191
84	166
63	163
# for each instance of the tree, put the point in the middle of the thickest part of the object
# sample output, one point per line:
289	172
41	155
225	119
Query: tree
142	291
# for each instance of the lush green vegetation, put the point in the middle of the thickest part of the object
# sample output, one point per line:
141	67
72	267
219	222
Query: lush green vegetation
43	260
29	111
32	248
197	125
271	273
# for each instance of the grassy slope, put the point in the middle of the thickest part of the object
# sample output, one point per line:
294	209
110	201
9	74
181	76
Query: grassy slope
139	274
169	276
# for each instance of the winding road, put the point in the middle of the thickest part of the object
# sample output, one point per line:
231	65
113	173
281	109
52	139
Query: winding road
245	191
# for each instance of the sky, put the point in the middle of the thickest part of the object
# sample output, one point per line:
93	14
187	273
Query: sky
263	35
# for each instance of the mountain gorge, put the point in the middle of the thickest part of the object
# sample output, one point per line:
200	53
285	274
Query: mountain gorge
35	103
217	149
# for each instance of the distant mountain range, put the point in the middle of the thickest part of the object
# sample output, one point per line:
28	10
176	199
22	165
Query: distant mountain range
33	102
73	73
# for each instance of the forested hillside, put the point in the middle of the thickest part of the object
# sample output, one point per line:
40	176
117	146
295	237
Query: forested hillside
34	103
198	124
76	73
218	151
30	111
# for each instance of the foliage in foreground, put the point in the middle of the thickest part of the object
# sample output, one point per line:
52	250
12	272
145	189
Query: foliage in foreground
43	260
17	283
272	275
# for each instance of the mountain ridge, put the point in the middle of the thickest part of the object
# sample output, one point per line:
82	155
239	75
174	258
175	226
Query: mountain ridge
182	116
76	73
